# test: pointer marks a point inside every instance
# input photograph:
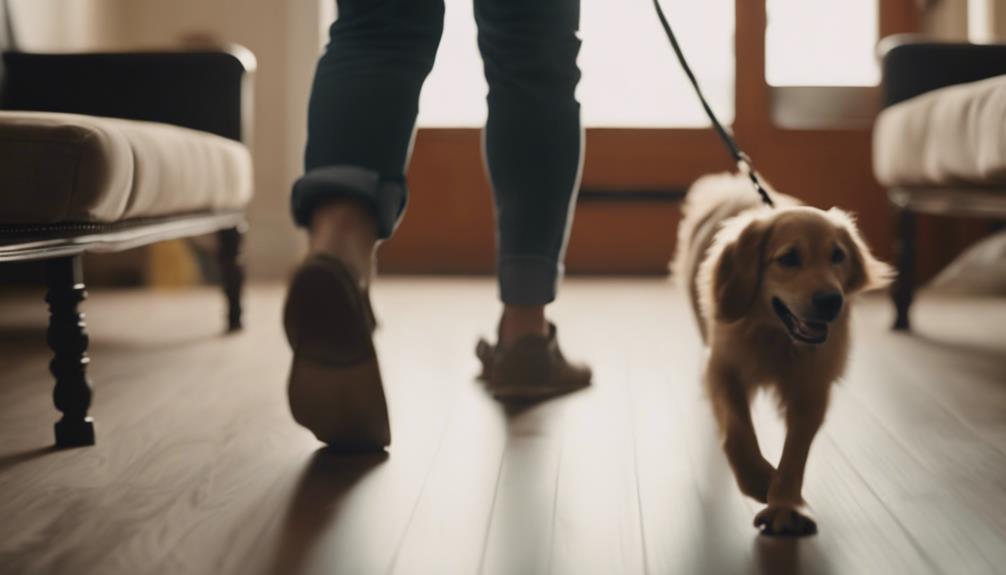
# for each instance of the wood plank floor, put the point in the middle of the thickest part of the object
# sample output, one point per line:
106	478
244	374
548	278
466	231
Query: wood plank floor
199	468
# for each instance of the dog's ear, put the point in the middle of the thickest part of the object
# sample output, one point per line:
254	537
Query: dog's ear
738	272
867	272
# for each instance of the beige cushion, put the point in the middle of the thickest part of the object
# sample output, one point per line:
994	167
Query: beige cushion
951	136
57	168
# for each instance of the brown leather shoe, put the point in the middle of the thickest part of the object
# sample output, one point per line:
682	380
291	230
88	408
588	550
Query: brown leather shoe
335	387
531	369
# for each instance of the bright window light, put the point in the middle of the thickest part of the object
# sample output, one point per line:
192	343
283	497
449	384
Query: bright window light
822	43
455	91
630	76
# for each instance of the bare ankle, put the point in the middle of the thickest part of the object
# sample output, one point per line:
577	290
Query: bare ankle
520	321
347	230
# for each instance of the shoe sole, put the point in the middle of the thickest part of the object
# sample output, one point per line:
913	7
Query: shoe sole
335	388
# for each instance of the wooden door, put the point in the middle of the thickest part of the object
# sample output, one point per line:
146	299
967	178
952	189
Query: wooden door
626	218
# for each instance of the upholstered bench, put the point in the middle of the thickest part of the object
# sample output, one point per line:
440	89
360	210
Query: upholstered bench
58	169
940	143
106	152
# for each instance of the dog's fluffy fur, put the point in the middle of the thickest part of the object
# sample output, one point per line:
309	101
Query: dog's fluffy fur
764	284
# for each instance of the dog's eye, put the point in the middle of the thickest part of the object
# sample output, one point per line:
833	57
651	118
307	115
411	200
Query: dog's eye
837	256
790	259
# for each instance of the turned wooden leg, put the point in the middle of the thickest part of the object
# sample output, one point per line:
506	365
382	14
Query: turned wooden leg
67	337
232	274
903	289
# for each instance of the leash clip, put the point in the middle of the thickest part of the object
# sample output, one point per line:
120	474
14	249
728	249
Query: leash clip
746	167
744	163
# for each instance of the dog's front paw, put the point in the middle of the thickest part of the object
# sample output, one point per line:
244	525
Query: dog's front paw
785	521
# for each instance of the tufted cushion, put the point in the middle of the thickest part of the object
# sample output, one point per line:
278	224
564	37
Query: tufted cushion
953	135
57	168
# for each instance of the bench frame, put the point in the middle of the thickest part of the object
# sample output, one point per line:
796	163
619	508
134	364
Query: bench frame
914	65
209	90
62	248
908	202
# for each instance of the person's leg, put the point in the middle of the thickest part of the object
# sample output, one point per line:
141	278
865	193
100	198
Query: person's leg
361	123
360	129
533	145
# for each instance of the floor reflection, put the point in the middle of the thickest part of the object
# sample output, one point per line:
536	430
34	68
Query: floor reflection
520	534
10	460
327	480
785	555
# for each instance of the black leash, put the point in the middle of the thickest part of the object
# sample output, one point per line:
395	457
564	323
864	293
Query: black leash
743	161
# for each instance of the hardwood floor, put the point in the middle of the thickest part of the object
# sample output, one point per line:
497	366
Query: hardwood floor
200	469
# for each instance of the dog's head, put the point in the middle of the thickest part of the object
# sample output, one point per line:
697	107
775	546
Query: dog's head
793	267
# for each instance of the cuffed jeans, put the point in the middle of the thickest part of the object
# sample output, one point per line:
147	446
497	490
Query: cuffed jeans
362	115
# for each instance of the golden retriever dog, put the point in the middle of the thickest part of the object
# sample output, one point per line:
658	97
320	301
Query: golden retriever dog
771	289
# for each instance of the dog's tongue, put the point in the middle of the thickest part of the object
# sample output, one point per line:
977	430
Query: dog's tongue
810	329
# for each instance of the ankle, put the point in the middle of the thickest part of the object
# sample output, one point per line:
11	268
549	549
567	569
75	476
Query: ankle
347	230
521	321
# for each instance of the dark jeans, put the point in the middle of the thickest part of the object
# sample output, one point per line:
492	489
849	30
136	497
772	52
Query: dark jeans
363	111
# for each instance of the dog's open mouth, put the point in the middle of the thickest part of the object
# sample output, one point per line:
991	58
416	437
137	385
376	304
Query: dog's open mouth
813	332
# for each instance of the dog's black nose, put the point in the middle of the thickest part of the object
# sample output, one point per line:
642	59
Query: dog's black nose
827	304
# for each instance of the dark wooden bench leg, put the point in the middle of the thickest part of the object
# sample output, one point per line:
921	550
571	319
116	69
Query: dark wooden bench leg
903	289
232	274
67	337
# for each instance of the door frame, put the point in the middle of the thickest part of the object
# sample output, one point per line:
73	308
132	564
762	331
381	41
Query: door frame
626	218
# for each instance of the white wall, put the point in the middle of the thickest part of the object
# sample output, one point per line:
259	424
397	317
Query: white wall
987	20
961	20
64	25
305	37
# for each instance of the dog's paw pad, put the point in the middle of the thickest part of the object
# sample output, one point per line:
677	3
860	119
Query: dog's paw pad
784	521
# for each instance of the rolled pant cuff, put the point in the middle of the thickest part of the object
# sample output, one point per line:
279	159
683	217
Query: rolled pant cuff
528	280
384	198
